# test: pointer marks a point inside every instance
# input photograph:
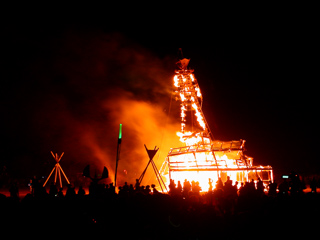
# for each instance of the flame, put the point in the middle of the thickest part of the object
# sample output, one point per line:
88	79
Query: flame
197	161
176	81
199	116
189	138
188	92
198	92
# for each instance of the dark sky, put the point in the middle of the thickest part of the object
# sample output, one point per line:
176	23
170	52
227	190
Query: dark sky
255	72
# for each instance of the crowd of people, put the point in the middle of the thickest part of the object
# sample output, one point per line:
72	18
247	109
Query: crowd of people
227	209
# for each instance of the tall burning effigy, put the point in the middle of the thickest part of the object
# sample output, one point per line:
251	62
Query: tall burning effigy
204	159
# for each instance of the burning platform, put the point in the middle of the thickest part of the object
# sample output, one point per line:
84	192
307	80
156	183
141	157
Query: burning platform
204	159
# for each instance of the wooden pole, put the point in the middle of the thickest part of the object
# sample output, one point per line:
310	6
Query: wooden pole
118	154
58	169
55	175
64	174
49	176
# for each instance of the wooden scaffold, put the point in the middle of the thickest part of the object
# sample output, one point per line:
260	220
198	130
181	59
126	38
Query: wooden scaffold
57	168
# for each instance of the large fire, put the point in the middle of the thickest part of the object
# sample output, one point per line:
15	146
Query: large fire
204	159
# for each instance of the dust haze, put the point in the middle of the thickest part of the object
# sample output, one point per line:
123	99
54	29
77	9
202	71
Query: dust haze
73	94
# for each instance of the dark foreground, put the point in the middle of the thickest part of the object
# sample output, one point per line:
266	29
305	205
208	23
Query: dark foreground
143	215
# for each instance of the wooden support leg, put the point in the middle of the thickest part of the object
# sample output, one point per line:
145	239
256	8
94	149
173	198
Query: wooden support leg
55	175
64	174
58	169
49	176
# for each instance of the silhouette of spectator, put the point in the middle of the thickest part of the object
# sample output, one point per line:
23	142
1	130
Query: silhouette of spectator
81	191
210	184
179	187
235	189
154	190
241	189
228	183
137	186
147	190
14	191
70	191
60	193
284	188
188	218
93	187
313	185
36	187
272	189
125	187
295	184
53	190
111	189
172	187
131	189
196	187
252	185
219	184
248	189
186	188
260	187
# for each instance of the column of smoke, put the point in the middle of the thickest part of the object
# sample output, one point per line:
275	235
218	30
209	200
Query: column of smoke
86	86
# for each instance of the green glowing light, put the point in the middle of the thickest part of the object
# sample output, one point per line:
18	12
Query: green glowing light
120	131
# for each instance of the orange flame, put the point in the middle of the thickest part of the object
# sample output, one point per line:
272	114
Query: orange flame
186	85
202	159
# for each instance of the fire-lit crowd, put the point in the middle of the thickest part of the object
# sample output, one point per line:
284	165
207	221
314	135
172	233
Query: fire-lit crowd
258	187
227	209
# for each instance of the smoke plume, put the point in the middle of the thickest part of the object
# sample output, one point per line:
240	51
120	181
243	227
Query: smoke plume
77	90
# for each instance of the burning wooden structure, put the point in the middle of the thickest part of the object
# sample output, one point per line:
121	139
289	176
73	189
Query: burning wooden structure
204	159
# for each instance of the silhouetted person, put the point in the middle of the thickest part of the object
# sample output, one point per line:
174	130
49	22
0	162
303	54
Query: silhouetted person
125	187
179	187
14	191
272	189
147	190
313	185
241	188
228	188
219	184
137	186
93	187
36	187
154	190
228	183
235	189
284	188
252	185
131	189
81	191
70	191
260	187
172	187
186	188
112	189
196	188
210	184
60	193
295	184
53	190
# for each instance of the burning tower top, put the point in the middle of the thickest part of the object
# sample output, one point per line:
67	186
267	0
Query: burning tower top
190	97
204	159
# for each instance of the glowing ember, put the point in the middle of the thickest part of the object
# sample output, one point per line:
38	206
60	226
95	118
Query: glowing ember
204	159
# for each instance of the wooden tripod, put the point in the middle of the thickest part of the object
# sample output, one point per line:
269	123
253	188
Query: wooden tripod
151	154
58	169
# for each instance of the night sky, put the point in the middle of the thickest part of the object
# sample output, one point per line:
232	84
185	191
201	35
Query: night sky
66	87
